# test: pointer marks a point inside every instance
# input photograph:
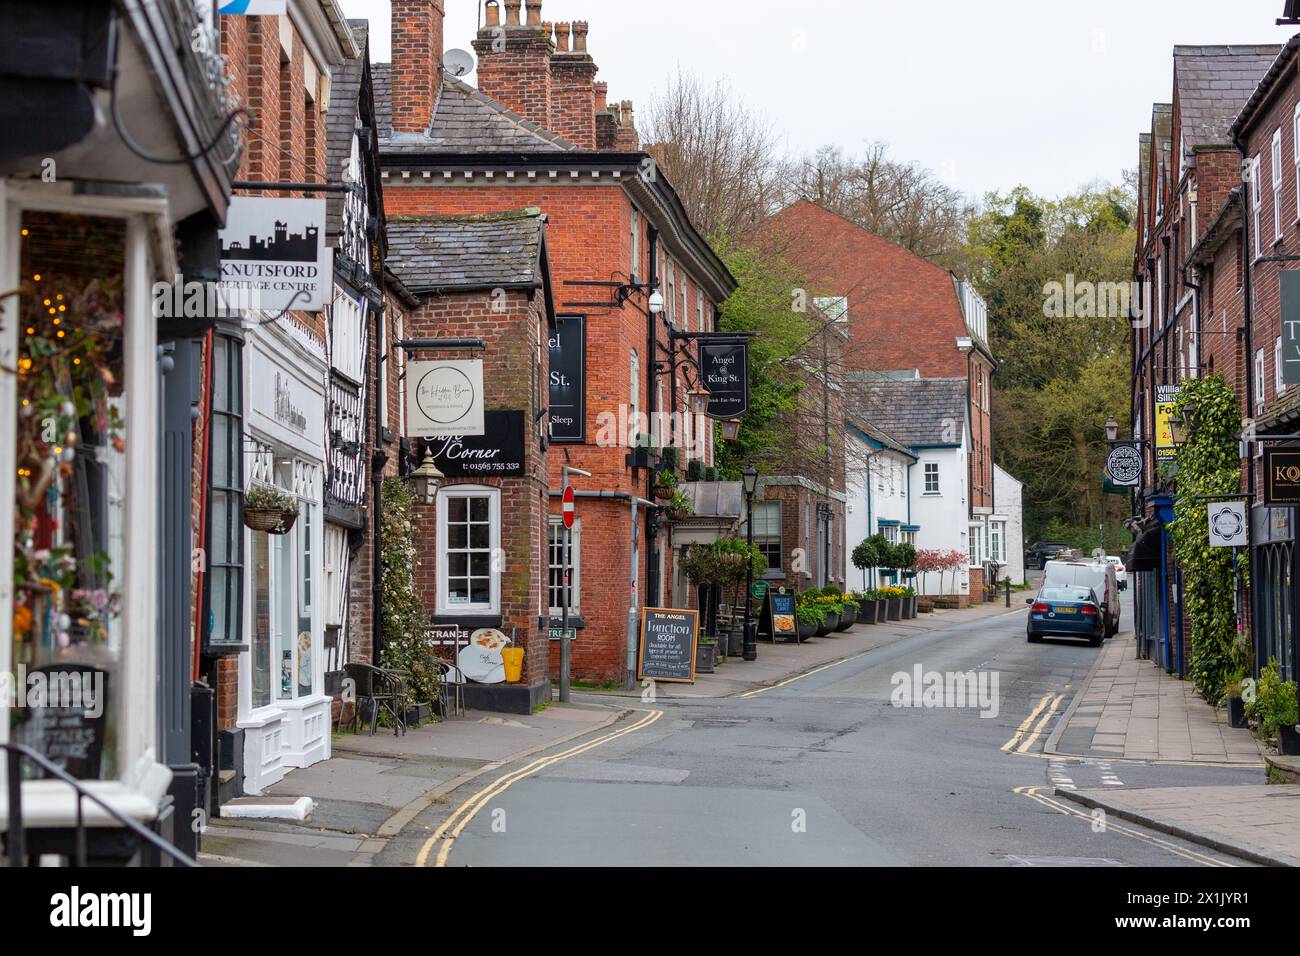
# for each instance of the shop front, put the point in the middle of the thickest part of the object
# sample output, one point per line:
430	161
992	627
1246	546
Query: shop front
284	710
1273	537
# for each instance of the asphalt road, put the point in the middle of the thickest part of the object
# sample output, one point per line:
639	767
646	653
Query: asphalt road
826	770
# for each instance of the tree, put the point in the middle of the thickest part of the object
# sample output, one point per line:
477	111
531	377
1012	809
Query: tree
866	555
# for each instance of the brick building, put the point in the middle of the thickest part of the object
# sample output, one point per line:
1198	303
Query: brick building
904	316
538	134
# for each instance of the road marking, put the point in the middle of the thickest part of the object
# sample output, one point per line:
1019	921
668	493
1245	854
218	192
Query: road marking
466	812
1108	776
790	680
1051	712
1035	794
1056	773
1025	724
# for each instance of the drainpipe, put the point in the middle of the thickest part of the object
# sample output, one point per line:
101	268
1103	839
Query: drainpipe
1248	328
652	380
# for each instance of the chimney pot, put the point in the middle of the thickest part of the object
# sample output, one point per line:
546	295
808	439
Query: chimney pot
580	36
534	8
562	37
493	17
512	12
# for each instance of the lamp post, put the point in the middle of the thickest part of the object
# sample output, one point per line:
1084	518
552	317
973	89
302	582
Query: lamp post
750	478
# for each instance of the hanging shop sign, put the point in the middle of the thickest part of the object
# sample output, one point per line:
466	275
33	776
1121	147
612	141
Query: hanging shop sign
668	641
274	256
1124	466
1281	476
567	411
498	452
445	399
1227	522
1290	281
254	8
1166	447
724	367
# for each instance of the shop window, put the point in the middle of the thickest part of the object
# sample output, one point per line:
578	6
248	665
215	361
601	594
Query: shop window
555	566
469	525
224	580
767	532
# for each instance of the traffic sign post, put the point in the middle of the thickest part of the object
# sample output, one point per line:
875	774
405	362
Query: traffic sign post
568	510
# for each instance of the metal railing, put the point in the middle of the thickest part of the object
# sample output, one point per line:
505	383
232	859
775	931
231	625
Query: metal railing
15	839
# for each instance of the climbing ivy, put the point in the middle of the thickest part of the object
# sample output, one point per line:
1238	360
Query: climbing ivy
1208	464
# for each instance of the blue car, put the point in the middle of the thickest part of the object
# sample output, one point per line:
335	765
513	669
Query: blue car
1066	612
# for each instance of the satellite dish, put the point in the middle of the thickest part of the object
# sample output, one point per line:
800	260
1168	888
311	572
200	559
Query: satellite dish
457	62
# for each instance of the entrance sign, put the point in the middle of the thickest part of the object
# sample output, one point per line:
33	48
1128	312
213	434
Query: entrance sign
445	399
1290	281
274	256
724	368
568	381
1227	524
1281	476
668	640
1124	466
1166	448
498	452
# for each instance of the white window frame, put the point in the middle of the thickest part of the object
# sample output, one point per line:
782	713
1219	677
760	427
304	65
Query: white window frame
997	541
1275	155
931	470
1295	149
494	546
554	523
778	569
636	243
1256	202
1259	377
1279	386
634	399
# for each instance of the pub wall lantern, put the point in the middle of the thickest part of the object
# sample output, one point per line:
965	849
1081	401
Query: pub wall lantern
699	401
730	429
1112	429
656	302
425	479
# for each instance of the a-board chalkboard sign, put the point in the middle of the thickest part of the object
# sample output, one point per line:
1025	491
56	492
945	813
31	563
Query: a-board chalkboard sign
779	617
667	648
64	719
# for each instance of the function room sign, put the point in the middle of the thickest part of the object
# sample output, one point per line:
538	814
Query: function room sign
274	256
668	639
724	366
567	411
498	452
444	399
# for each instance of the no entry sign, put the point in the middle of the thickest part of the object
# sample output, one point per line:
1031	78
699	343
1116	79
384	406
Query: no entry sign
567	508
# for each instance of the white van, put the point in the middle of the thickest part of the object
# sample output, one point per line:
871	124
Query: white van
1098	575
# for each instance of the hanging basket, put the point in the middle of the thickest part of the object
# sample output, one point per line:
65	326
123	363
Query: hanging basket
270	520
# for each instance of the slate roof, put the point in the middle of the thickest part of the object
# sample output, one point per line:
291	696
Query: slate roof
340	122
1276	71
464	121
1212	84
467	252
916	412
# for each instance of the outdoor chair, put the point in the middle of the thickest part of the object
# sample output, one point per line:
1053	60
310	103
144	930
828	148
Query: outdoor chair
382	690
451	688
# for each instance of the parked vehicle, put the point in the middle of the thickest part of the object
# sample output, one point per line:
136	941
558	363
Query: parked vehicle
1066	611
1099	576
1121	573
1040	552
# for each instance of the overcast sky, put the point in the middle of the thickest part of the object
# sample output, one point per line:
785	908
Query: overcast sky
1047	93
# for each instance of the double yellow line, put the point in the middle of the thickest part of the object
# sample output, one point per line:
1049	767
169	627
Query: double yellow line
451	828
1021	743
1036	794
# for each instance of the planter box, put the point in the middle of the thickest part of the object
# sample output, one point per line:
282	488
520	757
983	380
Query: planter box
909	607
948	601
925	605
806	630
704	658
894	609
736	642
848	618
1236	712
831	623
1288	741
867	612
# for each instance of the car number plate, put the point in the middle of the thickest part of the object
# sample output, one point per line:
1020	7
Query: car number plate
1066	610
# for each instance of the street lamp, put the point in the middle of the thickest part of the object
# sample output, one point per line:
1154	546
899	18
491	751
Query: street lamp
656	302
425	479
1112	429
750	480
698	400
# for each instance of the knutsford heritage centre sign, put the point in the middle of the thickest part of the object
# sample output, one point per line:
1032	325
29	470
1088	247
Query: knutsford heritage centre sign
274	256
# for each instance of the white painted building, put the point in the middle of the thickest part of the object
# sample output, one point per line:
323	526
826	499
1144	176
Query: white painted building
1008	504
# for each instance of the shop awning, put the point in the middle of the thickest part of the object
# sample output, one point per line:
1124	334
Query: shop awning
1145	555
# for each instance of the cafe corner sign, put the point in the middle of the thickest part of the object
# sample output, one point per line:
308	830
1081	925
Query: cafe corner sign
445	399
1281	476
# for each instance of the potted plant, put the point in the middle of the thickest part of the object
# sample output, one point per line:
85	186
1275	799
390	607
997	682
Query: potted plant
866	555
270	509
808	617
909	602
1232	697
665	484
679	505
704	655
847	606
893	602
866	606
832	619
1274	708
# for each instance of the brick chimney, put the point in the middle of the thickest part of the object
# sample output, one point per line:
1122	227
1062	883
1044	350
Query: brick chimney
624	133
573	86
417	62
514	60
